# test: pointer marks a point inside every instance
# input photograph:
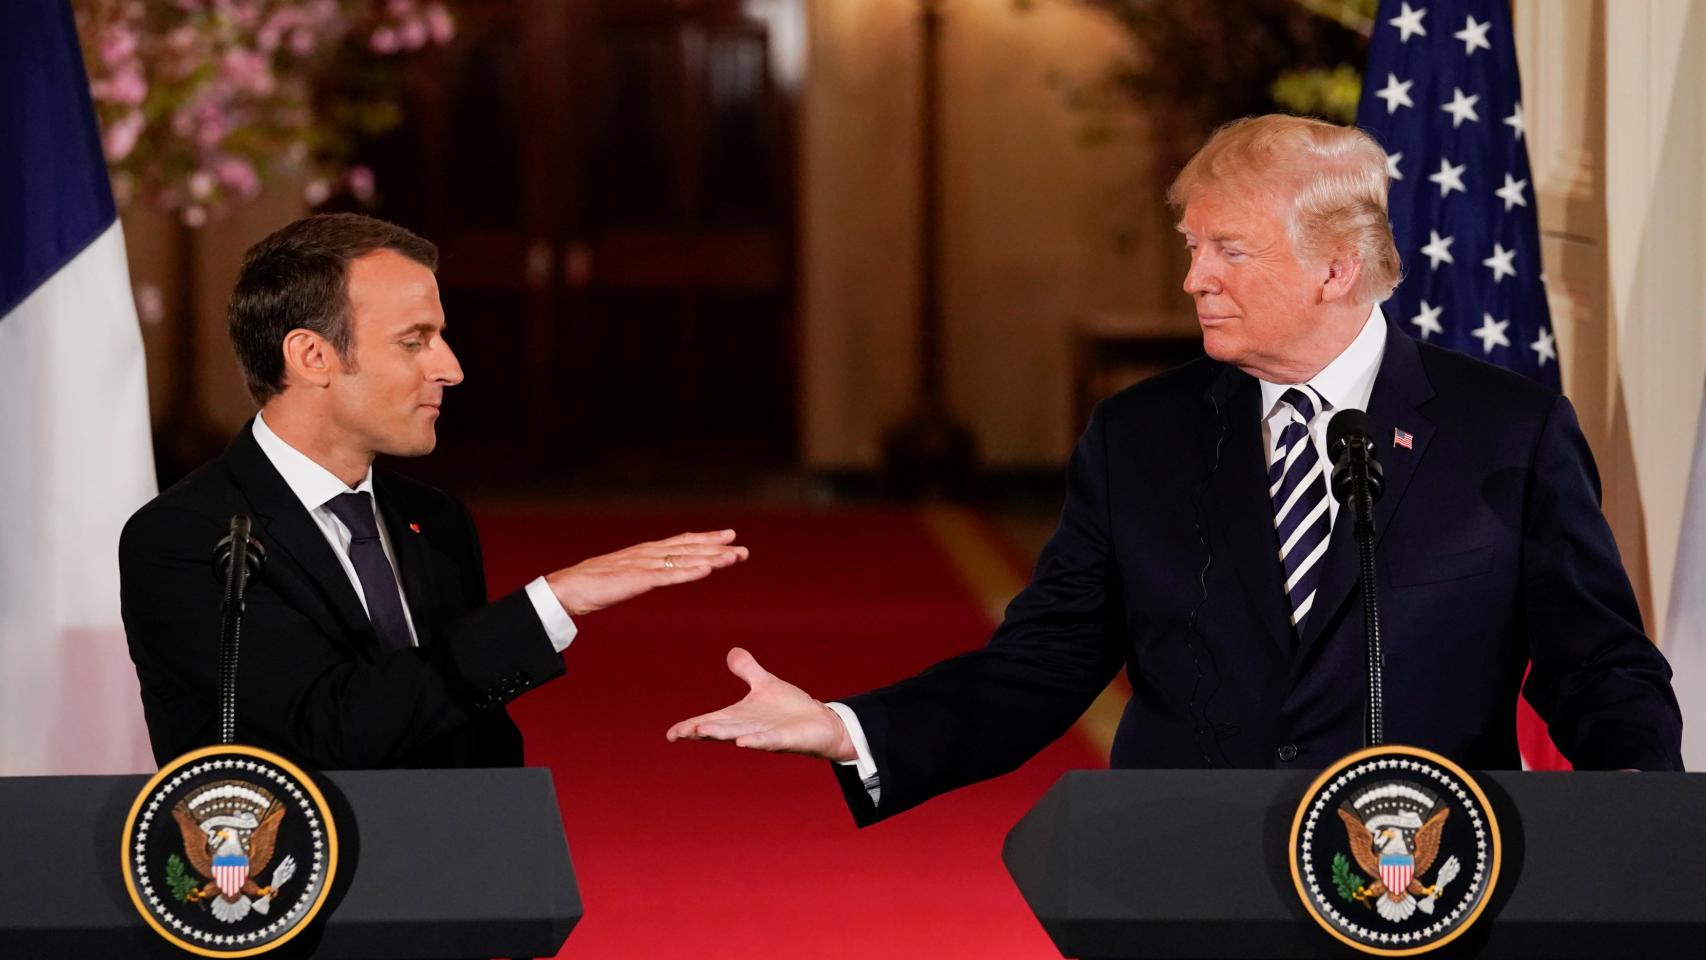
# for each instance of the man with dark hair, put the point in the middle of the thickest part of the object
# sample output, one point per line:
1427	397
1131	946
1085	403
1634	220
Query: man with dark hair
368	642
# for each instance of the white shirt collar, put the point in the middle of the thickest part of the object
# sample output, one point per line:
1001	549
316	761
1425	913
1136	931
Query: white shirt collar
313	484
1348	381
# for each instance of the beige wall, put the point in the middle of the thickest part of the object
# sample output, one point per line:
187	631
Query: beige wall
1030	217
1616	101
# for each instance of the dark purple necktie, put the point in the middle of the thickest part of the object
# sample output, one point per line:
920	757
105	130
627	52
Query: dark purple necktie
367	555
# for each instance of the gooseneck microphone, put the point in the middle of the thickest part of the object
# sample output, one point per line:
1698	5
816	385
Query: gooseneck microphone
238	557
1357	483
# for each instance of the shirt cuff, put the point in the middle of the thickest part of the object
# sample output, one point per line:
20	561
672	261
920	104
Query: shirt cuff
863	763
559	626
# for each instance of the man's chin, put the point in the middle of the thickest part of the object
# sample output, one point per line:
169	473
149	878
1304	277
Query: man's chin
414	447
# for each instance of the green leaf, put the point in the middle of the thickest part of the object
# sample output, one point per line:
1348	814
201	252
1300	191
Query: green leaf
1348	883
179	879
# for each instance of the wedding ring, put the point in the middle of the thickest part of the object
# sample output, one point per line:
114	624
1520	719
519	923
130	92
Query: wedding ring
669	561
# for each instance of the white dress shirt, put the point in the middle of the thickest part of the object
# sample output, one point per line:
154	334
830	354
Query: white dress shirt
316	486
1346	383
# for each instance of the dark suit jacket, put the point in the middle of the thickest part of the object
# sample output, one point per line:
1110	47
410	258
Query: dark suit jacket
313	683
1491	551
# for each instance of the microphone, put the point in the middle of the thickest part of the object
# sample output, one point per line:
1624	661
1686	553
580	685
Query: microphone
238	541
1350	445
1357	483
238	557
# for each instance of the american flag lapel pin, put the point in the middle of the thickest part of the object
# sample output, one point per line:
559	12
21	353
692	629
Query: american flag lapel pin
415	527
1402	438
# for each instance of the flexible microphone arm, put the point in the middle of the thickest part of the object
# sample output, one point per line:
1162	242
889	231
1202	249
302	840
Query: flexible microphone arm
1358	481
238	557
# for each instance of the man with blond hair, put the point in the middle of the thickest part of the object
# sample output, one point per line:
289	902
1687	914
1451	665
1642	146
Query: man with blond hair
1199	549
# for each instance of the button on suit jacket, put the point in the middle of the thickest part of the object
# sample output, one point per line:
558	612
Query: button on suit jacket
314	682
1491	548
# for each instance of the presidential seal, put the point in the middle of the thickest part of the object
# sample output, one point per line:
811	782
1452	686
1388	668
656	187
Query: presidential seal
229	851
1395	851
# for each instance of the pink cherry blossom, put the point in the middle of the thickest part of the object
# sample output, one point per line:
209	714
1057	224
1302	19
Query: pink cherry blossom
121	136
440	23
413	34
360	182
238	176
383	41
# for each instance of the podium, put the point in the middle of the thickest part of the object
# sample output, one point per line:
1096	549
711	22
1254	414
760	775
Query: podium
433	863
1194	864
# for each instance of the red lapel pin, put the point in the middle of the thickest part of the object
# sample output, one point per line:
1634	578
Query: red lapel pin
415	527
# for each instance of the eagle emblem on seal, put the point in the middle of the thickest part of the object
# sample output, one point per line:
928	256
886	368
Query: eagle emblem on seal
229	828
1394	829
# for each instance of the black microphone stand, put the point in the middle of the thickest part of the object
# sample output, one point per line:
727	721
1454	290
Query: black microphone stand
1358	481
237	558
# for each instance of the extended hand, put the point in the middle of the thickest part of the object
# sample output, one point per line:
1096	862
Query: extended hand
774	715
605	581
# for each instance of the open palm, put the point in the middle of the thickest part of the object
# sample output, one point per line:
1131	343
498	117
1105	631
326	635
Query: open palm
774	715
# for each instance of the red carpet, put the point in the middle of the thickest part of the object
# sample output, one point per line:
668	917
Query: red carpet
703	850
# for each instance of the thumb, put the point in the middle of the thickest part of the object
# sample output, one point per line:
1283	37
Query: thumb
744	666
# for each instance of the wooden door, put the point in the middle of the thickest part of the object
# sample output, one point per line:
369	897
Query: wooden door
611	186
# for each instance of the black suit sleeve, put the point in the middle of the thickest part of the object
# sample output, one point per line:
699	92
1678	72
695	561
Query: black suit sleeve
311	695
1596	679
984	713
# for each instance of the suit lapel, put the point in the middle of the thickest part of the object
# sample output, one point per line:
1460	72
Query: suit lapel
414	557
1241	494
1400	389
284	526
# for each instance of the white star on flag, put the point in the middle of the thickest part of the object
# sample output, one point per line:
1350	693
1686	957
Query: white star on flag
1511	193
1474	35
1501	263
1449	177
1516	122
1409	23
1438	248
1461	108
1492	333
1546	346
1392	166
1428	320
1396	93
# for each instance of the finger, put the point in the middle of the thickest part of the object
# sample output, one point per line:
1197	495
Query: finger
680	574
709	536
730	729
745	666
689	728
695	553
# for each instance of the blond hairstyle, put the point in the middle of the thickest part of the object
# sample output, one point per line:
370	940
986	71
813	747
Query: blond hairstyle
1332	180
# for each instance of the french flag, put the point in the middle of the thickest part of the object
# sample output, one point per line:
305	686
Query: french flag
75	455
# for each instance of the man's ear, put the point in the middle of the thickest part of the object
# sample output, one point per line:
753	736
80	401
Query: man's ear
1340	278
309	358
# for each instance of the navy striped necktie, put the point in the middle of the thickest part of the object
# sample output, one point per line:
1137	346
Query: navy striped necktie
1297	482
372	568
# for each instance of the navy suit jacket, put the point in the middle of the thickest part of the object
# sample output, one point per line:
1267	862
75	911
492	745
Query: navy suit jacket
314	683
1491	548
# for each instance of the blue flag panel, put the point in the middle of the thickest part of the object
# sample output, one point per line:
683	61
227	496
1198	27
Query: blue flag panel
54	194
1442	96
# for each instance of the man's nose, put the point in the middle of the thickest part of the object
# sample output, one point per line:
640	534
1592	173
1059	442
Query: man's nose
448	370
1201	278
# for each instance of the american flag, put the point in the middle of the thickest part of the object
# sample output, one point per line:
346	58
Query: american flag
1402	438
1442	96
